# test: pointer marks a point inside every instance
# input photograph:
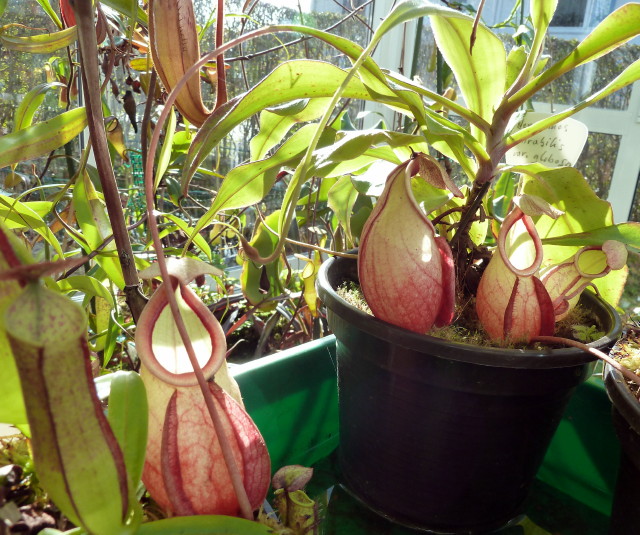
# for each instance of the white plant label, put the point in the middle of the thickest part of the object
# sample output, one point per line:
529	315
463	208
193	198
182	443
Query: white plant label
558	146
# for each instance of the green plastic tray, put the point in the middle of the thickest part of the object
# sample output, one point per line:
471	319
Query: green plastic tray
293	398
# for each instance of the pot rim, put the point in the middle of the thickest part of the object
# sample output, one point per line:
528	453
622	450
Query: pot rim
621	397
460	351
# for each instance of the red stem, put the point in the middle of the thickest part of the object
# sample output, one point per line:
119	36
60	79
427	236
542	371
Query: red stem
221	90
628	374
234	472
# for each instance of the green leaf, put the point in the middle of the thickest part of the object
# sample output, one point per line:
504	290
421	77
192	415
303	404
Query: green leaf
516	60
192	233
46	5
373	180
129	8
127	415
103	325
567	190
3	6
616	29
39	44
41	208
16	214
504	189
12	409
342	198
276	122
41	138
587	220
429	197
480	73
166	151
630	75
23	116
321	194
204	525
96	227
260	282
181	144
247	184
541	14
627	233
289	81
342	157
86	284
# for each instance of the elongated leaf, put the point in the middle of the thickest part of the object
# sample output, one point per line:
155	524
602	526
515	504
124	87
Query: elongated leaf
516	60
615	30
342	198
503	191
566	189
630	75
41	138
128	411
30	104
246	185
94	223
3	6
370	73
342	157
165	152
541	14
204	525
193	234
104	327
481	72
12	409
129	8
16	214
41	208
276	122
627	233
46	5
289	81
584	213
39	44
87	285
260	282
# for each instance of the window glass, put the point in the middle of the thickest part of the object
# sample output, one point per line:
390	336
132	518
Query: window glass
34	69
584	81
569	13
635	208
598	160
249	64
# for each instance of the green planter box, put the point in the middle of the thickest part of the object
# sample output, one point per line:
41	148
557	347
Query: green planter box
293	398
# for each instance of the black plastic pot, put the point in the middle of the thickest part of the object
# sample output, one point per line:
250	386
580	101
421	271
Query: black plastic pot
625	514
441	436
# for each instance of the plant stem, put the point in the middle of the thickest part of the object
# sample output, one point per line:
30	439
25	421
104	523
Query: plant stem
495	148
221	89
91	87
234	472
